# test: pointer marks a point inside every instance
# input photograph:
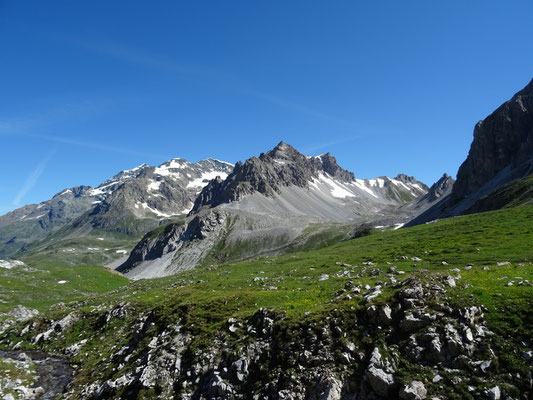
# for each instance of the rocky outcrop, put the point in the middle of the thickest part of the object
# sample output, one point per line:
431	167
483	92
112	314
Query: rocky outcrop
15	315
176	246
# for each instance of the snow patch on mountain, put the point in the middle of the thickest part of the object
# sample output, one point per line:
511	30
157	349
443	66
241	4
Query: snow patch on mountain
220	161
205	178
10	264
336	188
166	169
154	210
154	185
361	184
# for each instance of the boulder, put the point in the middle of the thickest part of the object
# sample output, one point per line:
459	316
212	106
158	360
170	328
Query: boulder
494	393
414	390
380	381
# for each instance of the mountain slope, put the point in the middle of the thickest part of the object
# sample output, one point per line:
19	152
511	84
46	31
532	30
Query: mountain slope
277	202
516	193
32	222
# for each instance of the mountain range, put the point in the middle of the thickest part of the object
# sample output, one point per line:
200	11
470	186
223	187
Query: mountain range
123	207
280	201
156	221
186	214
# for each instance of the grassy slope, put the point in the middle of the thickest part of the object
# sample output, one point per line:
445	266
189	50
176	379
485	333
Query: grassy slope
38	287
480	239
205	298
98	248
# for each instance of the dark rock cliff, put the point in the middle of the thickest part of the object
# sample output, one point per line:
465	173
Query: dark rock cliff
501	152
502	141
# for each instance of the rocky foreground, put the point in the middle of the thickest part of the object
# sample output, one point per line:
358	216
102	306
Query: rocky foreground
410	340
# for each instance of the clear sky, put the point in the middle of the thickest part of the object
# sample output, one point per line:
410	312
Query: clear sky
89	88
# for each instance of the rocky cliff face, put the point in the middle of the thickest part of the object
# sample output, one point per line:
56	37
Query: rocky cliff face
502	149
501	152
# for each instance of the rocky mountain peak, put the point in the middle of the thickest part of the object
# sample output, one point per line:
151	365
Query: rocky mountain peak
267	174
441	187
330	166
283	151
405	178
76	191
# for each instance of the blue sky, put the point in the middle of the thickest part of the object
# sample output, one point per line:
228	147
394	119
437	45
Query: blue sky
89	88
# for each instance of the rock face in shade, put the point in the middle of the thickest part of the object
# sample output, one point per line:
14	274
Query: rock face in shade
502	149
438	191
501	153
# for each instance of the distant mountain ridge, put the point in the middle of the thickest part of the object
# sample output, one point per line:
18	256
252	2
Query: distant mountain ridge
190	213
284	166
131	202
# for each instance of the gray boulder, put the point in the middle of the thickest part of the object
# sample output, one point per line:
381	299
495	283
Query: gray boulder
414	390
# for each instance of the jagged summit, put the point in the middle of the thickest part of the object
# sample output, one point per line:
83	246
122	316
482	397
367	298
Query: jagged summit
407	179
280	167
283	151
284	169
